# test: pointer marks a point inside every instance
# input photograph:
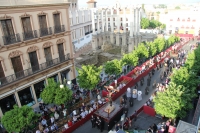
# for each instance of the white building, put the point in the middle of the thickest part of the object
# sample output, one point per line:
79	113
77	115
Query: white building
182	21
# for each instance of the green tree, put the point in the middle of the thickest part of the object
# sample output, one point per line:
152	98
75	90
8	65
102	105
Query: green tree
160	43
152	48
177	7
52	93
163	26
144	23
142	51
158	12
173	103
89	76
130	59
113	67
19	118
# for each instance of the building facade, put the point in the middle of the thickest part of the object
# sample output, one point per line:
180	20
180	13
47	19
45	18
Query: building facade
35	45
183	21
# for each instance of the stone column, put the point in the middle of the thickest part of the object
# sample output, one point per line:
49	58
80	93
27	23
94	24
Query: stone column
106	17
34	95
59	78
17	99
98	29
135	28
138	21
102	21
94	42
124	20
111	27
131	22
93	23
118	29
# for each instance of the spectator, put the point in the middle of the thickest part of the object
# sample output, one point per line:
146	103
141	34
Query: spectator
44	122
52	127
66	126
69	123
56	115
52	119
38	131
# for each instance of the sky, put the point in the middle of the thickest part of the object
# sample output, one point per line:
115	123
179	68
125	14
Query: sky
82	3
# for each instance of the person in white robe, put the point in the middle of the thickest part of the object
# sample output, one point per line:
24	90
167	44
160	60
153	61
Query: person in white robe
139	98
134	93
128	93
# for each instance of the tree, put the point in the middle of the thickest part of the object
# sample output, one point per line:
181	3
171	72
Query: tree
163	26
142	51
19	118
152	48
130	59
144	23
158	12
177	7
52	93
113	67
154	23
89	76
174	102
160	43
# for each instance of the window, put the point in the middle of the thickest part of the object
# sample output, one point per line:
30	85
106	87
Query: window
2	75
61	52
26	25
39	87
188	19
126	19
57	23
113	19
126	24
43	25
7	103
26	97
171	19
108	19
183	20
34	61
17	66
8	32
121	19
178	19
48	56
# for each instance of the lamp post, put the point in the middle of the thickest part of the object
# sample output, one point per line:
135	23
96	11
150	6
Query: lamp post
69	84
61	86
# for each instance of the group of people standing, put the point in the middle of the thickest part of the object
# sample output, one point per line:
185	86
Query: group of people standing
97	122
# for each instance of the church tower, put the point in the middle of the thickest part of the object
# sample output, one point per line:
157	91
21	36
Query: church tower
91	4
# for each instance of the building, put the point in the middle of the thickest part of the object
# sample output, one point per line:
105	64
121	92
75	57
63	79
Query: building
119	26
183	21
35	45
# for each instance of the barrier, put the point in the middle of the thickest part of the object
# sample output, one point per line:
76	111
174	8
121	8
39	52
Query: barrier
149	110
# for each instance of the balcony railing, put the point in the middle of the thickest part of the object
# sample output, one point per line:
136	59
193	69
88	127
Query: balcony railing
29	35
10	39
45	31
59	28
33	70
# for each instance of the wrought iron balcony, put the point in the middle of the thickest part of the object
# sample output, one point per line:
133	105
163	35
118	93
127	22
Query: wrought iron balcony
59	28
33	70
29	35
10	39
45	31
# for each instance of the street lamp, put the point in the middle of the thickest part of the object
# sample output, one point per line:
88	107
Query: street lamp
69	84
61	86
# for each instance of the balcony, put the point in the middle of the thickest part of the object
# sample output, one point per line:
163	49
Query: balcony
45	31
59	28
29	35
33	70
11	39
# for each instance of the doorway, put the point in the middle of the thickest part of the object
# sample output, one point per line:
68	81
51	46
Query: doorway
17	66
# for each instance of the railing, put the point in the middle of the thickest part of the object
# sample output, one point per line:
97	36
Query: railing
33	70
29	35
45	31
10	39
59	28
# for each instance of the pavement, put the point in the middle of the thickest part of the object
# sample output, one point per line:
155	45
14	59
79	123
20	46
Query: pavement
87	127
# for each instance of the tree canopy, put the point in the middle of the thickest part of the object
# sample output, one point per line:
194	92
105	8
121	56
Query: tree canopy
130	59
177	99
142	51
89	76
177	7
113	67
19	118
144	23
52	93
